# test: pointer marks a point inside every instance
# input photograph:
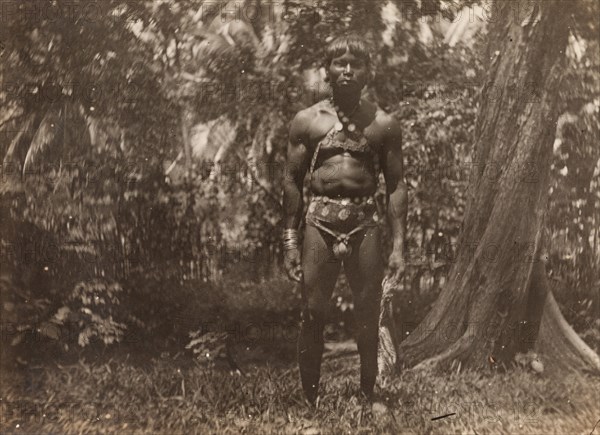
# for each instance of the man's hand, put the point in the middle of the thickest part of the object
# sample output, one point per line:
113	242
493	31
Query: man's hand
292	263
397	264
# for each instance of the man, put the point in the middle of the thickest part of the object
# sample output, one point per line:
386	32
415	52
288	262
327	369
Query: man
337	140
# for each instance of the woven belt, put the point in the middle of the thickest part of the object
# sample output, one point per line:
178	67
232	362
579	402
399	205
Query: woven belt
342	249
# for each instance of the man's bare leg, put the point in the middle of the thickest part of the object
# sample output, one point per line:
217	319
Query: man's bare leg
321	270
364	270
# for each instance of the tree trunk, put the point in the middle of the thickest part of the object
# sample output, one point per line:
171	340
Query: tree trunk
496	302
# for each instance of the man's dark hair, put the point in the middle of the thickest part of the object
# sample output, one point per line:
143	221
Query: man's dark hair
357	46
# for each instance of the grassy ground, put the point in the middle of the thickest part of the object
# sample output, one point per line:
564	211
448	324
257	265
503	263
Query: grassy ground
172	394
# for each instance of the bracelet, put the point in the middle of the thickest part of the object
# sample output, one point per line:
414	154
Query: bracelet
290	232
290	239
289	246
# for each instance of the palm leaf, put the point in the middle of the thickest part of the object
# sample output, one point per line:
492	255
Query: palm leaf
11	182
50	129
223	134
213	138
10	115
21	137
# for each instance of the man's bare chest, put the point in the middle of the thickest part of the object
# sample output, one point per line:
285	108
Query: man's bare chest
324	136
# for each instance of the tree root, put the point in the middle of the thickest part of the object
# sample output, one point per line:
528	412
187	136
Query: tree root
457	351
559	344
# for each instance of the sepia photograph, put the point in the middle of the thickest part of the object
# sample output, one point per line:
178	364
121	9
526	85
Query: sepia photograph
300	217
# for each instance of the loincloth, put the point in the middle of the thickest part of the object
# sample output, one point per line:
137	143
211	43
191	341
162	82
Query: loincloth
342	218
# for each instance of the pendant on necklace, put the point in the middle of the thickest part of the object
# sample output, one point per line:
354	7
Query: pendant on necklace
351	127
338	126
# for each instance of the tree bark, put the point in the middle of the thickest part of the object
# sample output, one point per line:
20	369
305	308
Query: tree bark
496	302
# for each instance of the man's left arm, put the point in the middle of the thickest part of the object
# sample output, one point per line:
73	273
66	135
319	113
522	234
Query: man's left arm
397	193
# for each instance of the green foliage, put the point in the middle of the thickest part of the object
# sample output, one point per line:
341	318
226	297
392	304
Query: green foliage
247	314
91	306
574	205
208	346
101	106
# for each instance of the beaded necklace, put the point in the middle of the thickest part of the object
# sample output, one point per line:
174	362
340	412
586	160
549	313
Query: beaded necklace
344	120
347	143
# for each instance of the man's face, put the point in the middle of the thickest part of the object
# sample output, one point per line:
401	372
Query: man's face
348	73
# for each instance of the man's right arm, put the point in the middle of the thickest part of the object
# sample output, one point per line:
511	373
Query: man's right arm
296	167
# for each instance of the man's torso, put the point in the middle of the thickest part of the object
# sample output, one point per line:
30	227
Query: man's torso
344	169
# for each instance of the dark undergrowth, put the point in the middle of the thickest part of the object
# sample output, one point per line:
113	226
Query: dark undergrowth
152	383
132	390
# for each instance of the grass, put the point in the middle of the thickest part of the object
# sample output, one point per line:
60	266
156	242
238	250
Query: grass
173	395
